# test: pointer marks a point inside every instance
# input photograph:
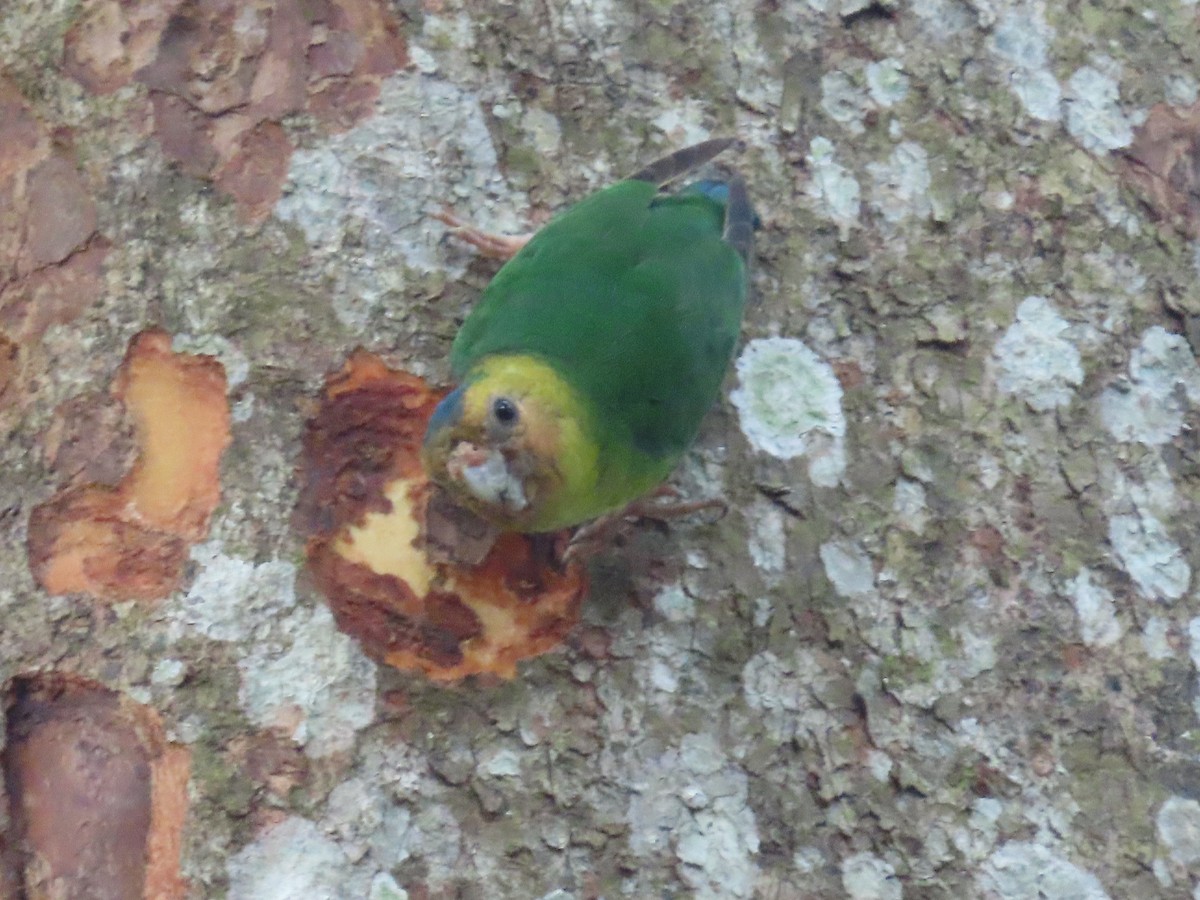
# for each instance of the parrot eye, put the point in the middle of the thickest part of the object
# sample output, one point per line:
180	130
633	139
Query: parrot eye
504	410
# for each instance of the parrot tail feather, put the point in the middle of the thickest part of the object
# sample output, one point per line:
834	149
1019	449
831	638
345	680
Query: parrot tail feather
667	169
740	219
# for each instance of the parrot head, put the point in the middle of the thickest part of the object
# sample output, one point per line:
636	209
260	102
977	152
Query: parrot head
509	443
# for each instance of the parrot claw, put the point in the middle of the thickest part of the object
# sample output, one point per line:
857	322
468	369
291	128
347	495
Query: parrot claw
598	534
497	246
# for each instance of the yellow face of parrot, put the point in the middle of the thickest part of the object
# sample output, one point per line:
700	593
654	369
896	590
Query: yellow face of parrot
509	444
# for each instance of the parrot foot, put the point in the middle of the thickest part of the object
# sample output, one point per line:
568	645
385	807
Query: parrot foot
497	246
646	508
598	535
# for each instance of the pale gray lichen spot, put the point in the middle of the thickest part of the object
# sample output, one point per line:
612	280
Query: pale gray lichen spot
789	404
363	198
1094	115
1178	827
768	539
1035	360
499	762
1023	870
887	82
231	599
1152	559
1181	88
782	692
848	568
867	877
379	181
833	186
365	816
901	185
976	839
1021	38
1194	641
909	505
674	604
844	101
1150	405
683	123
1097	610
321	688
693	801
384	887
290	859
945	18
168	673
1156	638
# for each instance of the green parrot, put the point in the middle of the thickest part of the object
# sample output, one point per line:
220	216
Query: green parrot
587	366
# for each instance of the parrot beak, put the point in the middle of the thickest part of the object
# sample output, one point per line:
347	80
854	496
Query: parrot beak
479	475
485	474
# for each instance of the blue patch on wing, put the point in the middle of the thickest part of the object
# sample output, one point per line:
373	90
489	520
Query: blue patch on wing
717	191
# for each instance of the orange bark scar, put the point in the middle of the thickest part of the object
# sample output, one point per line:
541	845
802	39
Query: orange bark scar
98	796
130	541
365	508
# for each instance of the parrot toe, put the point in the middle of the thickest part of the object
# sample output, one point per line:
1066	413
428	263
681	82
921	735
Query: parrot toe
497	246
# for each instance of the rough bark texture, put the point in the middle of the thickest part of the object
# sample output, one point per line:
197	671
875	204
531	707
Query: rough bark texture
945	643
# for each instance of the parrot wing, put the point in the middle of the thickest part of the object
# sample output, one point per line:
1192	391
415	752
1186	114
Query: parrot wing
634	297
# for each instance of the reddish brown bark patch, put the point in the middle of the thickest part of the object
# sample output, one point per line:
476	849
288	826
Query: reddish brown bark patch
1163	164
130	541
363	507
222	74
51	259
97	797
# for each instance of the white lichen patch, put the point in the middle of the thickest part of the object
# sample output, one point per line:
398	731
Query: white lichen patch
499	762
768	540
683	123
1035	360
692	801
789	404
1178	828
867	877
832	186
1097	610
385	887
1156	638
1022	870
977	838
1180	88
318	686
848	568
1152	559
231	599
1194	641
900	186
291	859
674	604
781	691
1021	39
887	82
909	505
1094	116
394	813
1149	406
844	101
363	198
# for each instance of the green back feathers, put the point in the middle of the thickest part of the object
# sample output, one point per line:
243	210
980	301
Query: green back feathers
636	299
